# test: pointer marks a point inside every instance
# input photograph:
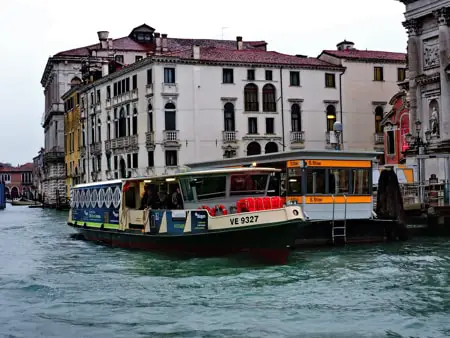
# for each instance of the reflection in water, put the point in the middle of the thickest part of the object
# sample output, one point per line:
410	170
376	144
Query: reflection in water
57	286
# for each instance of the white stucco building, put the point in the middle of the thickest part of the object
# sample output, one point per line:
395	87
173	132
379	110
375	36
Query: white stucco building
205	101
428	26
368	83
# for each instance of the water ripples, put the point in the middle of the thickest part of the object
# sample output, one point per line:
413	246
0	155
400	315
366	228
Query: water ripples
54	285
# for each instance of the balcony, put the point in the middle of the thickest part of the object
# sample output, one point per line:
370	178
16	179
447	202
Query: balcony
171	137
169	89
82	151
125	97
54	155
229	136
297	136
96	148
128	143
378	138
150	139
108	103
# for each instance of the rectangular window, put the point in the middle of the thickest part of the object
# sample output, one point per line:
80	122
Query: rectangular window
115	89
330	80
108	161
150	159
135	124
115	162
378	74
129	163
135	160
98	96
171	158
338	181
99	163
315	181
210	187
149	76
108	92
127	84
118	58
390	142
134	81
169	75
138	58
269	75
227	75
250	74
295	79
252	125
360	180
401	74
270	125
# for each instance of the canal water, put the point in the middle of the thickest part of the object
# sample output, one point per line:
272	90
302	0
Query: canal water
53	285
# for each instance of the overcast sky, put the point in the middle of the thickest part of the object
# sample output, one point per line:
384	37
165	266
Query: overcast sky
33	30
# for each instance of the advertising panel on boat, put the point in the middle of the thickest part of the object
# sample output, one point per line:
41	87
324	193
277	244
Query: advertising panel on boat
96	203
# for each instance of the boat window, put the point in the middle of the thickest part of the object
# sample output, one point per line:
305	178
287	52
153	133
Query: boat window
294	181
209	187
248	184
338	181
360	182
187	191
130	198
315	179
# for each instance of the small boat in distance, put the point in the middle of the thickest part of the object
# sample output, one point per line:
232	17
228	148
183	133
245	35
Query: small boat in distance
196	213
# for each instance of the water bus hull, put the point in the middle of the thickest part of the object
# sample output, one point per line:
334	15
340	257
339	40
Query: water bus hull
270	243
210	213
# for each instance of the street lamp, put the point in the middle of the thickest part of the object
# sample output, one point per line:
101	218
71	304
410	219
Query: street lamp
419	146
338	128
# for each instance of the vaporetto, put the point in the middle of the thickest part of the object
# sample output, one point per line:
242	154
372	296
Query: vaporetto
96	197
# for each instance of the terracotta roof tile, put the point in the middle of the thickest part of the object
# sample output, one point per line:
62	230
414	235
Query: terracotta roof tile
367	55
252	56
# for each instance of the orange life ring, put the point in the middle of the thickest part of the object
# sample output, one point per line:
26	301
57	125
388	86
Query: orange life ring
210	211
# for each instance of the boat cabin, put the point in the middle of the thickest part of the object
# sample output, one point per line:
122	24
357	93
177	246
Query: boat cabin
330	185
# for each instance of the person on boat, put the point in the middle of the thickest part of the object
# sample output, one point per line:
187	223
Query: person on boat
147	198
177	200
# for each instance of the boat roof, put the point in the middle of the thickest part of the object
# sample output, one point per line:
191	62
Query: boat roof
287	156
184	174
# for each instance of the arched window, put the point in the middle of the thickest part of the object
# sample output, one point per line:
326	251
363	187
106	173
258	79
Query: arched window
150	117
378	118
251	97
296	121
108	128
271	147
83	136
122	168
331	117
75	82
122	123
92	130
170	116
269	99
253	148
135	121
229	117
99	130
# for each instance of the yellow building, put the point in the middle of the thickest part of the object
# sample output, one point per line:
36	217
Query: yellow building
72	136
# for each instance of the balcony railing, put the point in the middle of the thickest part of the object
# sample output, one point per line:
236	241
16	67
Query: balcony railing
96	148
297	136
170	136
121	142
378	138
149	89
149	139
229	136
169	88
55	154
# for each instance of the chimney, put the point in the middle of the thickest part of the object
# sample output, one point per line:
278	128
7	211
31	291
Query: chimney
240	44
196	52
345	45
103	37
164	43
105	68
157	43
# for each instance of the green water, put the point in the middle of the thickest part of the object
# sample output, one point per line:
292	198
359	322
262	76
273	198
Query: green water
52	285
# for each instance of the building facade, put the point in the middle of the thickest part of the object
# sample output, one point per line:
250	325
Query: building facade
395	126
38	173
369	81
18	180
427	23
205	103
72	136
